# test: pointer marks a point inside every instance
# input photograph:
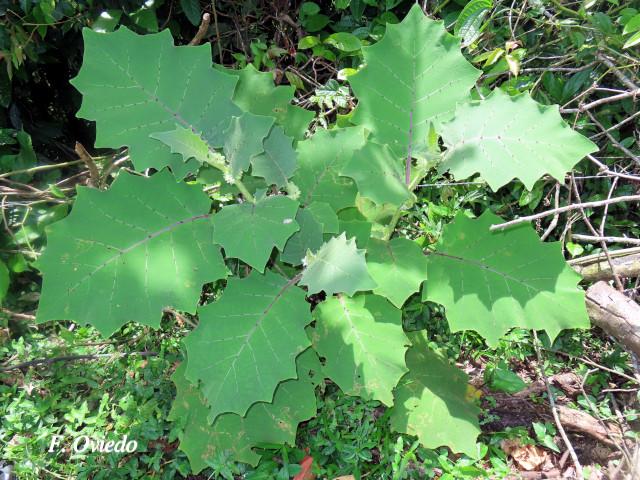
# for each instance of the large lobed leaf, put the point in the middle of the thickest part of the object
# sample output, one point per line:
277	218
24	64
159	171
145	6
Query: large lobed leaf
337	267
294	401
491	282
379	176
320	160
135	85
243	141
362	341
398	267
503	137
247	341
125	254
309	237
250	231
414	76
257	94
278	161
434	402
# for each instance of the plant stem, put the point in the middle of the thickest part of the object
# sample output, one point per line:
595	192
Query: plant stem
220	165
398	213
243	190
554	411
568	11
41	168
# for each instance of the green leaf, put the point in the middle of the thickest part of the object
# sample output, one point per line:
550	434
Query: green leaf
432	401
145	18
309	41
315	23
363	355
470	20
135	85
191	9
355	225
294	401
309	8
320	159
507	279
309	237
201	441
632	25
243	140
24	159
186	143
278	161
506	137
107	21
632	41
247	342
413	76
325	215
337	267
545	438
379	176
250	231
575	249
499	378
398	267
257	94
344	41
125	254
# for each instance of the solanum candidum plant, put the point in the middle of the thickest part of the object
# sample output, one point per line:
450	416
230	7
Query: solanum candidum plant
311	283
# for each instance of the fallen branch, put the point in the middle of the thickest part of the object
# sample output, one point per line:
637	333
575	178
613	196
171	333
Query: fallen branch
518	409
616	314
579	421
625	263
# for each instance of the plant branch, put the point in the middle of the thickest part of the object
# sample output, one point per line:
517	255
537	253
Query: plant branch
72	358
567	208
616	71
602	101
94	174
614	142
41	168
554	410
608	239
202	30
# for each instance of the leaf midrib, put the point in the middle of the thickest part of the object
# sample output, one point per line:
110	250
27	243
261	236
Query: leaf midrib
133	246
488	268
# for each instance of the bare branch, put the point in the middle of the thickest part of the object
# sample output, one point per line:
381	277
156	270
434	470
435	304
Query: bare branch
567	208
202	30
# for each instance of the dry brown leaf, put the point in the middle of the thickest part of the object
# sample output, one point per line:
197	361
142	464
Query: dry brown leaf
527	457
345	477
508	445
